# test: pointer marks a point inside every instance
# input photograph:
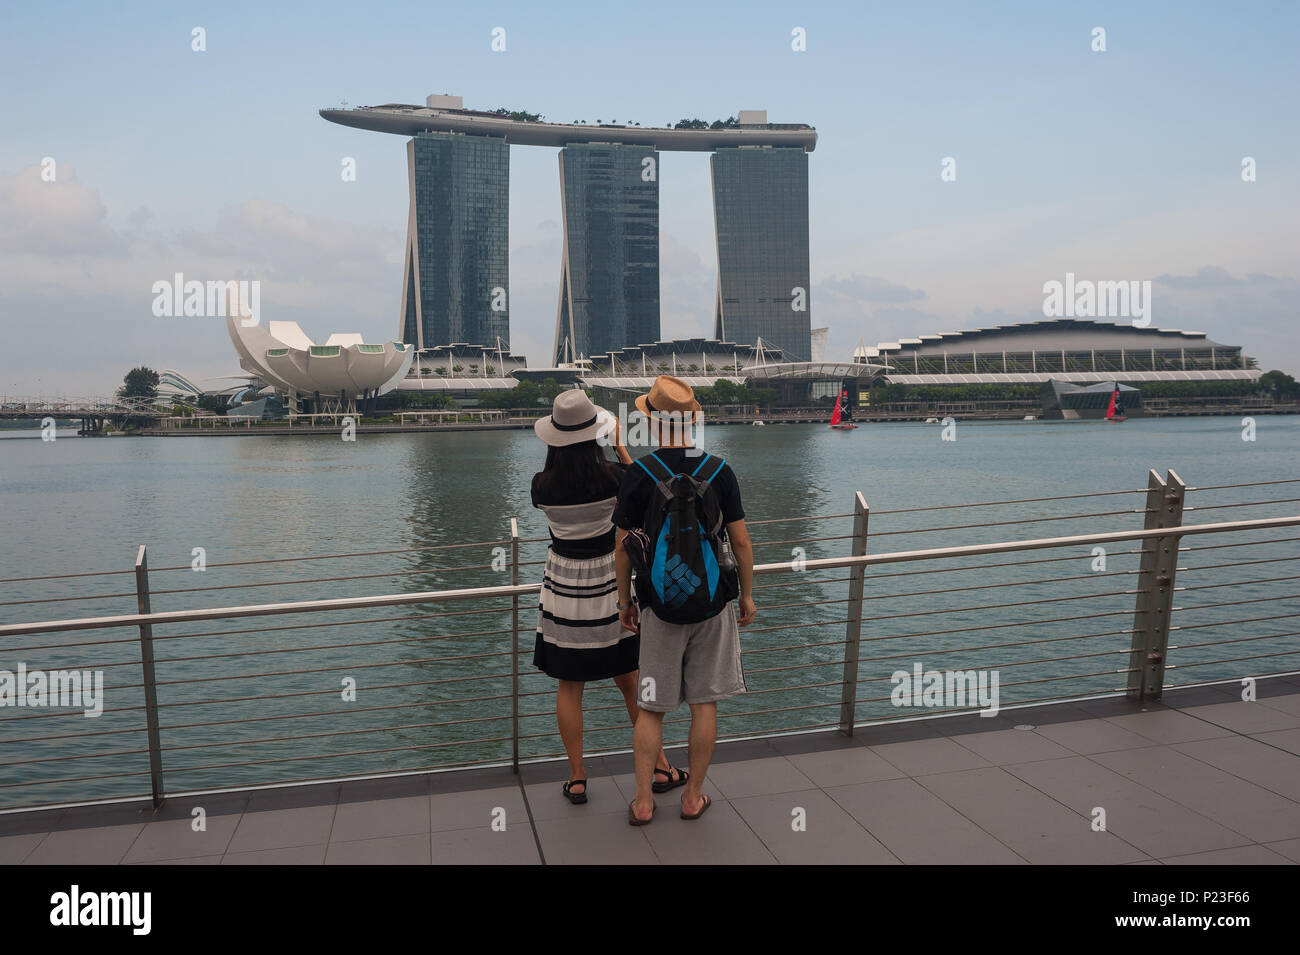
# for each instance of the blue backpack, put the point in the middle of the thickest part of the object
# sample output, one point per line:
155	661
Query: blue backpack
685	571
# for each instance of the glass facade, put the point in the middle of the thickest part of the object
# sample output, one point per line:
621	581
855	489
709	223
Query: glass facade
760	211
457	252
609	274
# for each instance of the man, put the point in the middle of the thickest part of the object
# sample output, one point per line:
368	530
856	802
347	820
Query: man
695	662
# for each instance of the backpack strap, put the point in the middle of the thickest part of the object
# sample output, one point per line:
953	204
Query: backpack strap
667	470
722	462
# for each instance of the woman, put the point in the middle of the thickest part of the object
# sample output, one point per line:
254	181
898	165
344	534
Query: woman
579	637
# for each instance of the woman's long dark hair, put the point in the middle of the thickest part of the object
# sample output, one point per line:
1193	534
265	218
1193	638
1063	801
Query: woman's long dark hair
578	472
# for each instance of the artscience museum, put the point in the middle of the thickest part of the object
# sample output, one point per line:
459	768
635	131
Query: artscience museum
344	375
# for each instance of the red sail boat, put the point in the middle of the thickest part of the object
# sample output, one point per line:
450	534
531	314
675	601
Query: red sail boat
840	420
1115	413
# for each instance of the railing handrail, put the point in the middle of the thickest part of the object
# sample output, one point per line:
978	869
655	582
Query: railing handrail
509	590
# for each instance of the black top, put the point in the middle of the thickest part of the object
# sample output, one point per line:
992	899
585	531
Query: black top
634	495
570	497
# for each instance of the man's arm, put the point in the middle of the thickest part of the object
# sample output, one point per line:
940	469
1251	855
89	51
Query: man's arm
743	548
628	615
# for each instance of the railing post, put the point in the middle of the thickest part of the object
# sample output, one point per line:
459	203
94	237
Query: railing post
1155	596
853	626
146	669
514	647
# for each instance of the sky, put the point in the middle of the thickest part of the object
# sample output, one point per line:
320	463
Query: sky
1122	164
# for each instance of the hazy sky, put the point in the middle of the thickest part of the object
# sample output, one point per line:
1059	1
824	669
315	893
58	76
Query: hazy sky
1123	164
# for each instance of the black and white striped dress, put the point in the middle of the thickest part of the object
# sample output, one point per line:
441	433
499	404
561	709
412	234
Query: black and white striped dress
578	634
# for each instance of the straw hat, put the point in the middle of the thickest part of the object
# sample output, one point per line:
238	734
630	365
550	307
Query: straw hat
670	397
573	418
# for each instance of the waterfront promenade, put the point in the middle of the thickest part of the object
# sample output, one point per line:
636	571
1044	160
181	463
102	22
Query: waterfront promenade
1198	778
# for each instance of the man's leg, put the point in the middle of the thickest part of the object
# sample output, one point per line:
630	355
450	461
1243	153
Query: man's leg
704	735
627	684
647	742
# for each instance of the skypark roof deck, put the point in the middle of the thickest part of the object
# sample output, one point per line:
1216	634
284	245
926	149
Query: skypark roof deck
403	120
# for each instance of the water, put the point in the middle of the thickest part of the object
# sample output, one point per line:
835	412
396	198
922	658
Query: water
82	505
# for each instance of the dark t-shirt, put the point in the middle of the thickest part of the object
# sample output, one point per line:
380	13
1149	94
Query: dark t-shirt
634	495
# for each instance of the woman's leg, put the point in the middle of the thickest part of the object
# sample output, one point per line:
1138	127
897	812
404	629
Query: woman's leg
568	713
627	683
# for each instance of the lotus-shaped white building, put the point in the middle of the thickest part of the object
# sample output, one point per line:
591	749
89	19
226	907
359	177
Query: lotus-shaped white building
333	375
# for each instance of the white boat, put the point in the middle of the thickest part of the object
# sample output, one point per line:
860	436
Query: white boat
1031	417
931	420
757	424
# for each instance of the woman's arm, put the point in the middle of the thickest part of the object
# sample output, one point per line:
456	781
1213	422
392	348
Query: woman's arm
619	449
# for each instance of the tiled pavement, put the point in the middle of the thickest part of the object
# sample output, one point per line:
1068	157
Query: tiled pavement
1200	778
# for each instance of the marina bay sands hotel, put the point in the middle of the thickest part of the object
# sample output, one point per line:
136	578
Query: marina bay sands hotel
456	278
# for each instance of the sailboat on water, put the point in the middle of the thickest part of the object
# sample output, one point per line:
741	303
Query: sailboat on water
840	418
1115	413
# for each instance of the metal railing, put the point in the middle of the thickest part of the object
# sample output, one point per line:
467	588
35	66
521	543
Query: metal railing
209	698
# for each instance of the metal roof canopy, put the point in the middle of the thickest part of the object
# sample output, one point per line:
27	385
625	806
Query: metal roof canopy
1091	377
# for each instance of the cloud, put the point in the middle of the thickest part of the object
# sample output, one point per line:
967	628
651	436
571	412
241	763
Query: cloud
868	288
59	218
1206	277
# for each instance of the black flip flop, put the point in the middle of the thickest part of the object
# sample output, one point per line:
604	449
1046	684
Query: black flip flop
576	798
682	777
704	807
632	820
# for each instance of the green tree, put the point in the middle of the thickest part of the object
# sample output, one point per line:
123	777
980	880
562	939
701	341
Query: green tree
139	382
1280	385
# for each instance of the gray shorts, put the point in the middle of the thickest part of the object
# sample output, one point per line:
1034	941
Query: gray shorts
694	662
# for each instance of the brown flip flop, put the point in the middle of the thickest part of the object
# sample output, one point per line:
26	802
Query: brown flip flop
632	820
704	807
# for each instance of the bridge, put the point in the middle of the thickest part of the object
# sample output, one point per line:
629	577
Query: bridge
92	412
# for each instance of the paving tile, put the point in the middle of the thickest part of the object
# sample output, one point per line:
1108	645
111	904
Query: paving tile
1143	818
669	800
844	767
387	787
547	800
380	818
176	839
1091	736
282	829
101	846
830	837
1288	703
1233	802
606	839
918	827
719	837
1243	717
923	756
26	823
293	797
1035	826
1289	848
1002	747
474	809
1250	759
1243	855
294	855
195	860
483	846
1288	740
1168	726
390	850
14	849
757	777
